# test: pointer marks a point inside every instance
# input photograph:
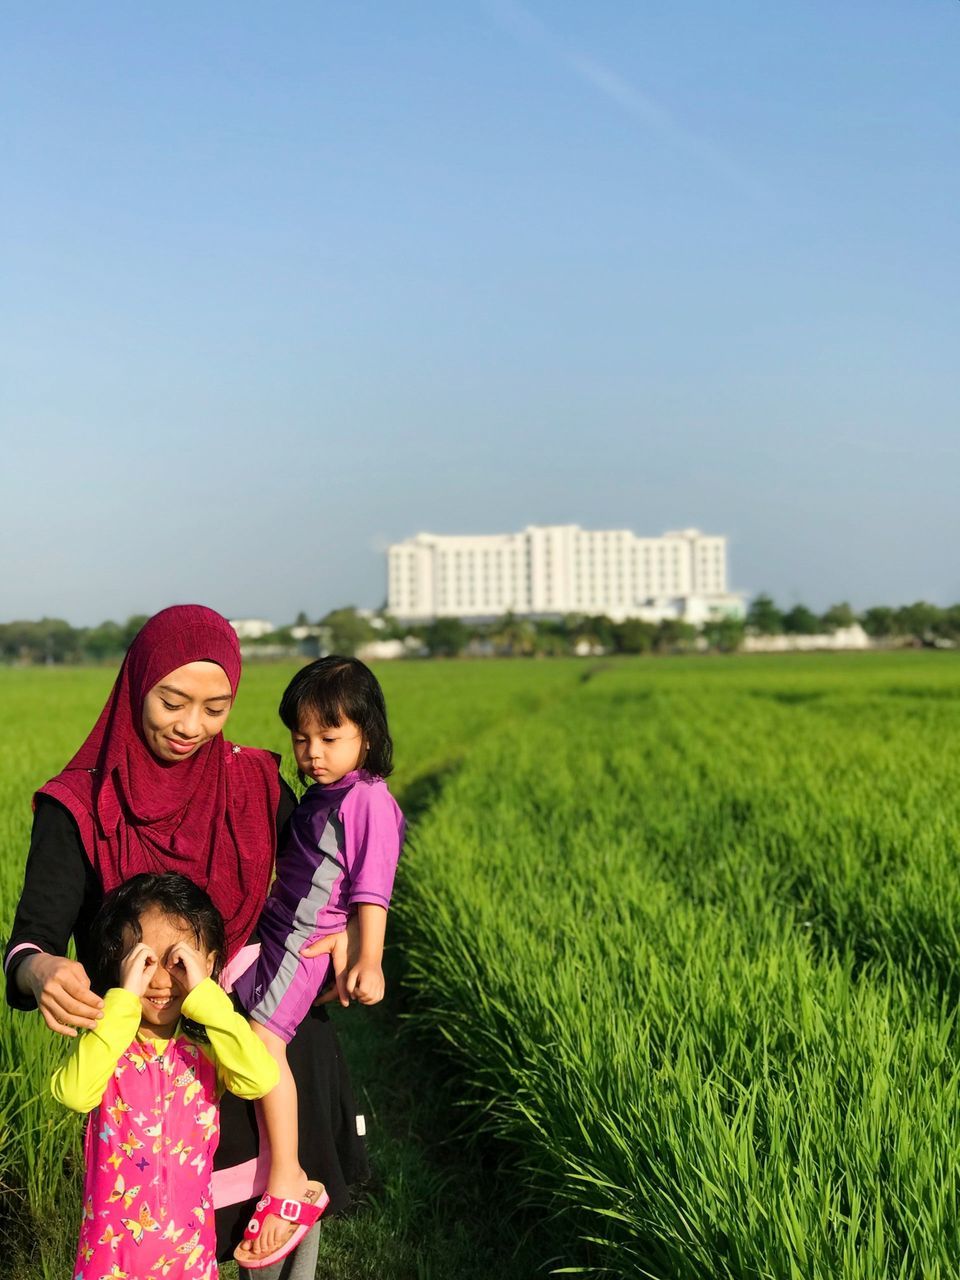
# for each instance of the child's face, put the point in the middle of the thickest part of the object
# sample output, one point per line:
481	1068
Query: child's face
327	752
161	1002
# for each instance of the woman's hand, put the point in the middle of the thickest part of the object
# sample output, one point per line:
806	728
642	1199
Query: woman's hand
343	950
335	946
137	968
62	991
187	965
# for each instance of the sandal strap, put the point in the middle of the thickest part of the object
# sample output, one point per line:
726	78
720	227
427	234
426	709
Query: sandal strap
288	1209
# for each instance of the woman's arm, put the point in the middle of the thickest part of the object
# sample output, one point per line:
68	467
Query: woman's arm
285	807
56	882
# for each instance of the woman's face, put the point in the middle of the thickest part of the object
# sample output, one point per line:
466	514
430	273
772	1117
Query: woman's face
186	709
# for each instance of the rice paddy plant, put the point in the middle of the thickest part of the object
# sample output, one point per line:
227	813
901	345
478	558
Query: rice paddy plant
689	937
687	929
436	712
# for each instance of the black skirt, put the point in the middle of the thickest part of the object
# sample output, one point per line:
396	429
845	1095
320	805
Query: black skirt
331	1150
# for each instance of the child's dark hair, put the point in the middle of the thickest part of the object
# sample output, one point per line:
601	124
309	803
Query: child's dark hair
116	926
334	689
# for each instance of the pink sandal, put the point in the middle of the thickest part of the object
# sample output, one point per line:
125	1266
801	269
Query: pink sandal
303	1213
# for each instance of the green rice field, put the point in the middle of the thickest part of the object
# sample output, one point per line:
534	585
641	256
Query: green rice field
679	938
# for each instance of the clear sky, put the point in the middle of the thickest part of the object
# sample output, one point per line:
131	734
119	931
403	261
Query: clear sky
284	283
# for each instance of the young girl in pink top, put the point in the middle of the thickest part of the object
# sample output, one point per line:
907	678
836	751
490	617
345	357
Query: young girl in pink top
150	1073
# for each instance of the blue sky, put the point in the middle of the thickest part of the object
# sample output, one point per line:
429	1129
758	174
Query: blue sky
285	283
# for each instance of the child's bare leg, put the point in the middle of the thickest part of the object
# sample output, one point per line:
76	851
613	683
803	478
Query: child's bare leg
286	1178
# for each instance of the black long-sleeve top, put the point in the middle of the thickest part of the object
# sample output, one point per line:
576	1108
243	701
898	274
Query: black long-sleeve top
62	892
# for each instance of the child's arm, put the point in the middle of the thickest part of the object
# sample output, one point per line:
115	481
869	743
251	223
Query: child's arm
80	1082
365	979
244	1065
373	835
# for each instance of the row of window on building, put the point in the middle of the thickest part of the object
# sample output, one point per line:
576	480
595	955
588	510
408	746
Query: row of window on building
550	569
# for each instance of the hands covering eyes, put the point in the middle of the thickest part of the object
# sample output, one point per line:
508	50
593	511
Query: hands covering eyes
185	965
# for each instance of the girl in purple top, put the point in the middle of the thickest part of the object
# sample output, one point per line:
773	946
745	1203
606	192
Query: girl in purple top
339	860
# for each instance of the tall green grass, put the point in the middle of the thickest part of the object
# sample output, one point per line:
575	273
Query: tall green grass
437	713
39	1141
691	937
686	928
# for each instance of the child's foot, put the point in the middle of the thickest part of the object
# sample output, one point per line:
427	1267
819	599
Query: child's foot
275	1231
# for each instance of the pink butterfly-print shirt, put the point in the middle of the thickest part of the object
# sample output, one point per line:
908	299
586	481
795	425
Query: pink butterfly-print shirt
149	1144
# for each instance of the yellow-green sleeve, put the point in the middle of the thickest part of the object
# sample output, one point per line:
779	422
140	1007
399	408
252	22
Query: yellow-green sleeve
244	1065
81	1081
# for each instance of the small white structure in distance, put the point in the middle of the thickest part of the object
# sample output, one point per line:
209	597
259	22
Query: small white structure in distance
382	650
308	631
251	628
851	638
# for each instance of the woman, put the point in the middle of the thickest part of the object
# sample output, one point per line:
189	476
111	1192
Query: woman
155	787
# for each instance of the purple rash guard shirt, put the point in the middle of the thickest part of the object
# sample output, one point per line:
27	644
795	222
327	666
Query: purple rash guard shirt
343	848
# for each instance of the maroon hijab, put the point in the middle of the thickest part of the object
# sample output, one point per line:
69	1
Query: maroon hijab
211	817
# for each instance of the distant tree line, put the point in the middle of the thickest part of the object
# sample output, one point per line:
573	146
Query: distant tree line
347	630
920	622
53	640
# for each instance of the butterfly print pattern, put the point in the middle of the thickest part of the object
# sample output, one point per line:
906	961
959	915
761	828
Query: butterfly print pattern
148	1207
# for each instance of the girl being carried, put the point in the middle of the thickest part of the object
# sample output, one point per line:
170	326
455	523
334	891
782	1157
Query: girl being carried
339	860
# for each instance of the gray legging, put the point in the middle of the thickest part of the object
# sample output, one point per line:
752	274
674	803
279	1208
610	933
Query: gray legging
300	1265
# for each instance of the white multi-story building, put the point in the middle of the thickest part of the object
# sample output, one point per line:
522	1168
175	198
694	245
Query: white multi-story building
559	569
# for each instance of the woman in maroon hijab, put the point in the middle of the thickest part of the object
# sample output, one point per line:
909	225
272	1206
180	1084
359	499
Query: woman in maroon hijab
156	787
